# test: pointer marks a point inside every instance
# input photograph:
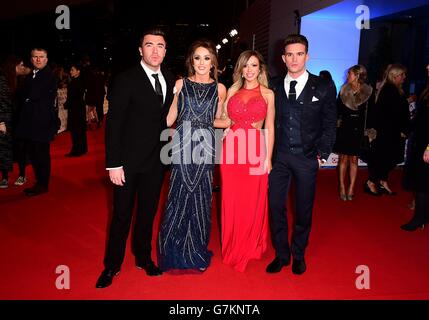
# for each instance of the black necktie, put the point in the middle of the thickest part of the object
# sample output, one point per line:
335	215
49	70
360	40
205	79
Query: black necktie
158	89
292	92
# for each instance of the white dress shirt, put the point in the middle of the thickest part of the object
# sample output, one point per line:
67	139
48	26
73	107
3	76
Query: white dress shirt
301	82
161	78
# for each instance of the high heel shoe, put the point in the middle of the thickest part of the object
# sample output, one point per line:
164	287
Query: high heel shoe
350	197
383	190
343	197
368	190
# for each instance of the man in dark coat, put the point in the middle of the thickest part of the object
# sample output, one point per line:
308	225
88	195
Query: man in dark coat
38	120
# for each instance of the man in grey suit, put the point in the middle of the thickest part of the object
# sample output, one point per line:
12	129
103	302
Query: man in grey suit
305	133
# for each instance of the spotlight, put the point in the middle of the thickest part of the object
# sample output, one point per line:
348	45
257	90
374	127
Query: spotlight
233	33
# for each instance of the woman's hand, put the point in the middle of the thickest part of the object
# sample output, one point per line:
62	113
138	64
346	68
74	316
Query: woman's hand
268	166
3	127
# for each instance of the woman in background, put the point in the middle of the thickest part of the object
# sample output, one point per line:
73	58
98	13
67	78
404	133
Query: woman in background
354	104
392	125
12	68
76	119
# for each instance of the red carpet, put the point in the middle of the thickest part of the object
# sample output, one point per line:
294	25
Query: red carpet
68	225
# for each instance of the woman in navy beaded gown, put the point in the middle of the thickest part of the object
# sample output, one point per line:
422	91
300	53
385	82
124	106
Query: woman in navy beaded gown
185	226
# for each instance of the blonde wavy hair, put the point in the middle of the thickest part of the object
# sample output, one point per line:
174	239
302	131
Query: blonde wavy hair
238	70
391	73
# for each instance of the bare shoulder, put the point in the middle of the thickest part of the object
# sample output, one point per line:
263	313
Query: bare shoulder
221	89
266	92
178	85
231	91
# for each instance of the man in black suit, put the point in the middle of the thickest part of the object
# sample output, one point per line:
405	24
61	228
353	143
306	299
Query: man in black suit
37	124
138	106
305	133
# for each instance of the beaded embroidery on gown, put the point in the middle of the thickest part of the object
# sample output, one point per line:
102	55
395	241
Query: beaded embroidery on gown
185	227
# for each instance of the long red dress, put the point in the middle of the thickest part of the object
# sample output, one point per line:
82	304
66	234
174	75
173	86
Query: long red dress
244	181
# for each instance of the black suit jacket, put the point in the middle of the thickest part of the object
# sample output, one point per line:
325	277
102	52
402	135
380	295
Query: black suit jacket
318	118
135	120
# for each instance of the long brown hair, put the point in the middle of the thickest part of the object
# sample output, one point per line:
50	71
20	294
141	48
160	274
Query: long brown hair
211	48
8	70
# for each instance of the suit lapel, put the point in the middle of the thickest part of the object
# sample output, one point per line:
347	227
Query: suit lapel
281	94
170	83
146	82
308	92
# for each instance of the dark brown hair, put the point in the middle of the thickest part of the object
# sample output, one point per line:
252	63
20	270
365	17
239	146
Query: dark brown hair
296	38
211	48
153	32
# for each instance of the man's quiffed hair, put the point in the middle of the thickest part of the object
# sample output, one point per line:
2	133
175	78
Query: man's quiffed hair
154	32
296	38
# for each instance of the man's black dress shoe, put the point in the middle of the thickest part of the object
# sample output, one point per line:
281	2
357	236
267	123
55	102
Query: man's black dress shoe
35	190
413	225
148	266
106	278
276	265
298	266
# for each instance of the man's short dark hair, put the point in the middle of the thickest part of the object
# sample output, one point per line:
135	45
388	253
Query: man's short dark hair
153	32
296	38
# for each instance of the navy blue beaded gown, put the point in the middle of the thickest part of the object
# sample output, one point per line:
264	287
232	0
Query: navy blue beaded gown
185	227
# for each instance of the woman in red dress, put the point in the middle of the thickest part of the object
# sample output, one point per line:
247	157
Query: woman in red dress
246	162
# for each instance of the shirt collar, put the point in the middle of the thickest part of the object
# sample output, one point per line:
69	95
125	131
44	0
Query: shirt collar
301	79
149	71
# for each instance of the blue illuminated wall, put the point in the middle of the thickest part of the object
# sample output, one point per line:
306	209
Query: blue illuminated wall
334	38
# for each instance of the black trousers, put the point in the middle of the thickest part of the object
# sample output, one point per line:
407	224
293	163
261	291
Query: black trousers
79	140
40	158
146	188
421	212
303	171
